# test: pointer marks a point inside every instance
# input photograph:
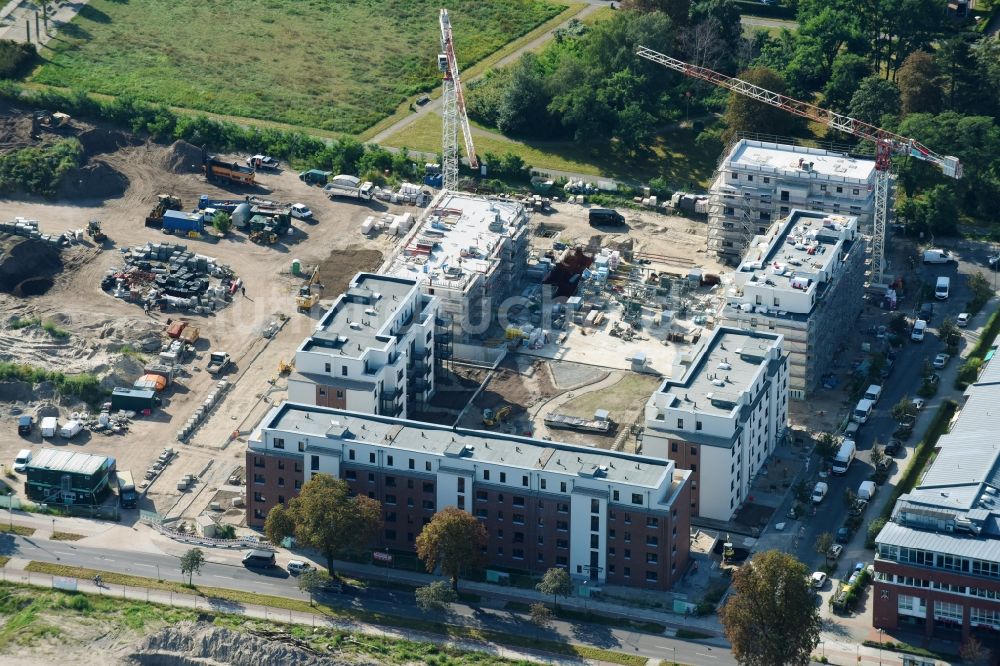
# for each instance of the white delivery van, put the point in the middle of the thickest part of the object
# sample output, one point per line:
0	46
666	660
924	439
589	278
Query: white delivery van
936	256
862	411
49	426
70	429
22	460
866	490
919	328
873	393
942	288
819	492
845	456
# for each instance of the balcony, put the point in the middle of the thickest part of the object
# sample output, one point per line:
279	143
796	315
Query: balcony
420	385
427	352
390	409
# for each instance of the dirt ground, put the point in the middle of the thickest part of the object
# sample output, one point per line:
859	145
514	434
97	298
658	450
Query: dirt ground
100	326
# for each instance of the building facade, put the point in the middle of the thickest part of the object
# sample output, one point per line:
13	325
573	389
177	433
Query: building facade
373	351
68	477
608	518
721	416
803	279
937	563
758	182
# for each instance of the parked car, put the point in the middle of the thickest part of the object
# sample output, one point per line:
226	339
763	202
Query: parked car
819	492
818	579
262	559
834	552
296	567
893	447
25	423
941	360
963	319
22	460
843	535
301	212
918	403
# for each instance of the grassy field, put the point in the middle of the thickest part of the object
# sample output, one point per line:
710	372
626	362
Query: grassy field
316	63
675	155
621	399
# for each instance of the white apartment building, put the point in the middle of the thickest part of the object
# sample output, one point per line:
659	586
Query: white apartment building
607	517
758	182
721	416
803	279
372	351
470	252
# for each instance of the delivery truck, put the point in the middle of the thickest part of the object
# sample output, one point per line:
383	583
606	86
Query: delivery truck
127	495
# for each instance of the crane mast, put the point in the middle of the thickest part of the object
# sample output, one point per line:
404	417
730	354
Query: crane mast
887	144
453	110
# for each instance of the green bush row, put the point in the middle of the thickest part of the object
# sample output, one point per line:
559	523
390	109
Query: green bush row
969	371
345	155
38	170
84	386
921	455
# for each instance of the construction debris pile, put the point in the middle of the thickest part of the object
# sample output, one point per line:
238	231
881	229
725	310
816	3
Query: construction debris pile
394	225
29	229
164	275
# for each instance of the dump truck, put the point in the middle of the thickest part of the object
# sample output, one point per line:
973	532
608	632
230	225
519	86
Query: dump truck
225	205
349	186
262	162
217	362
179	221
127	496
234	172
164	202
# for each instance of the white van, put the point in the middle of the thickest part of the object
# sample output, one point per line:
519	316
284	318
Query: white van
866	490
942	288
936	256
919	328
70	429
873	393
819	492
50	425
862	411
845	456
22	460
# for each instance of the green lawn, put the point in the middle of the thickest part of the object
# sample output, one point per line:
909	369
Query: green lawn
675	155
334	66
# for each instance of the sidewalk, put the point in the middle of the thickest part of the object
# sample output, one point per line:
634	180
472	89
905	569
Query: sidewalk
14	572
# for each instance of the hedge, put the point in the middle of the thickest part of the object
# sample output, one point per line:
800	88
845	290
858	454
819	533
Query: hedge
750	8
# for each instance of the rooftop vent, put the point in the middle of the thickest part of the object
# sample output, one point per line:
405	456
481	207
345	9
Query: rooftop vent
725	366
356	326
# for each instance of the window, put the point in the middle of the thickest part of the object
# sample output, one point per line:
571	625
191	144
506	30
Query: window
340	393
500	551
517	501
518	518
390	500
541	540
944	610
673	447
279	443
611	534
461	484
390	535
694	468
412	463
595	506
518	553
734	175
343	370
482	513
409	484
518	537
628	553
561	560
541	484
562	507
651	558
652	522
298	484
636	498
302	447
856	191
258	497
593	541
650	576
626	571
258	462
281	482
694	450
371	477
840	190
628	519
503	477
326	367
314	463
486	475
500	516
428	505
562	486
389	460
482	496
697	425
767	179
562	544
428	486
595	524
390	516
350	454
822	188
258	478
562	526
371	457
614	496
749	178
628	537
281	499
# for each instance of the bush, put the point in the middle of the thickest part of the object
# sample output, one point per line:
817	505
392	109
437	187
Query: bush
15	58
38	170
968	373
83	386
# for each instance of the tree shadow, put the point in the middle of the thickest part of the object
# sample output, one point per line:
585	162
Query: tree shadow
72	31
595	634
91	13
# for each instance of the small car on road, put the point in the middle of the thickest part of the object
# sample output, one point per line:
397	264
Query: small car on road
941	360
918	403
818	579
963	319
893	447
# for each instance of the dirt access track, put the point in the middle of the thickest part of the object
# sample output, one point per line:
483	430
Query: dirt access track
99	324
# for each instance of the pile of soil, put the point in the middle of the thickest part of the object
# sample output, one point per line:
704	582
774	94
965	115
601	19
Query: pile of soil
97	140
28	267
15	129
97	180
122	371
190	644
183	157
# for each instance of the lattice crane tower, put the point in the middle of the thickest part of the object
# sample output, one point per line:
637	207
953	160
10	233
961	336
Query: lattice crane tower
453	110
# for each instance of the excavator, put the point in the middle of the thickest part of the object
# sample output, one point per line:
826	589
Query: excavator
491	417
164	202
306	299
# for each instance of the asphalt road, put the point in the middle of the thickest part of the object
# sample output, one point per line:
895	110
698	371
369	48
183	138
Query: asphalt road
278	582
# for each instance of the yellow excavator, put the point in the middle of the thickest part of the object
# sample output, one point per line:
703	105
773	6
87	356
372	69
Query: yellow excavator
285	368
307	298
491	417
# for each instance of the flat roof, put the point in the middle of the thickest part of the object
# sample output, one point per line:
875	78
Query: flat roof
358	318
457	239
721	372
782	158
482	446
67	461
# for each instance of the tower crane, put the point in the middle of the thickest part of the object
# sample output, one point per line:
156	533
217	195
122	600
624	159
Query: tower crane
886	143
453	110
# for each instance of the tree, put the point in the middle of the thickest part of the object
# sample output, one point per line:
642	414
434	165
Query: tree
847	70
312	581
898	324
770	619
677	10
556	582
279	524
960	80
904	408
744	114
826	446
222	222
919	90
454	540
981	290
874	527
525	100
850	497
878	457
326	517
874	98
823	542
541	615
434	598
724	15
191	562
969	372
974	652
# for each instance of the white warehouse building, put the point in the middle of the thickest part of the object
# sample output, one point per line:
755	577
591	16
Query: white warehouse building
721	416
372	351
803	279
758	182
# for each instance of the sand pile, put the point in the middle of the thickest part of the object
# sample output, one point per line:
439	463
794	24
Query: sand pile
182	157
97	180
